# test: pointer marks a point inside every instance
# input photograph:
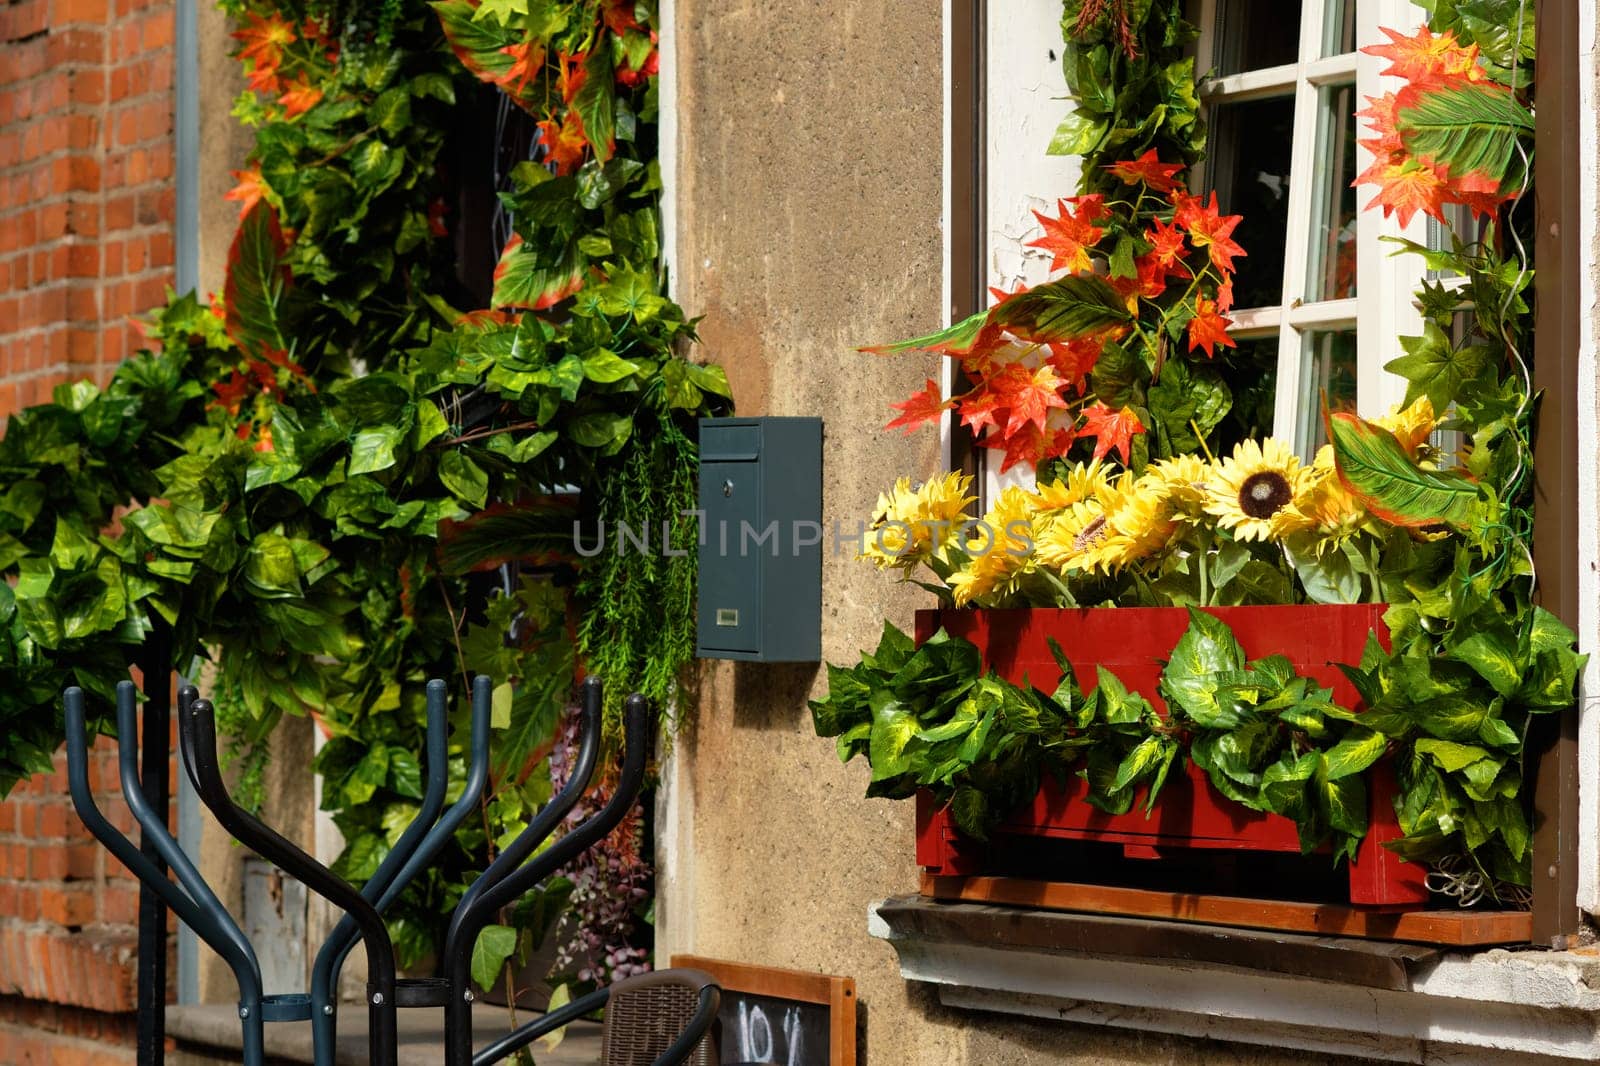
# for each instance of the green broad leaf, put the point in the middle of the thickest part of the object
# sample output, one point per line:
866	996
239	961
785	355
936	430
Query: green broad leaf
375	165
892	730
957	339
1359	749
1059	310
1453	716
1206	649
1139	763
853	741
464	478
500	706
602	430
405	773
366	776
1283	785
596	103
257	283
1470	129
536	278
1435	367
361	859
1344	803
1450	756
1497	734
1549	633
1492	653
373	449
270	567
494	946
1078	134
606	366
1373	467
970	809
1329	579
894	650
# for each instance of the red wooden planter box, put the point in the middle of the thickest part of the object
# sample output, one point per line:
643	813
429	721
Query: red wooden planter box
1133	642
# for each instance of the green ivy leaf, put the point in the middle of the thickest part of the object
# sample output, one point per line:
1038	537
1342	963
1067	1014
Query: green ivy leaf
373	449
465	478
1359	749
494	946
1435	367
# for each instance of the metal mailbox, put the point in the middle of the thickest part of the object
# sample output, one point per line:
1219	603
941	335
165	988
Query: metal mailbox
760	596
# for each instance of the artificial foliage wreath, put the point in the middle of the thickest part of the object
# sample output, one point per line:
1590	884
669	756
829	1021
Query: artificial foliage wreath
1156	486
313	482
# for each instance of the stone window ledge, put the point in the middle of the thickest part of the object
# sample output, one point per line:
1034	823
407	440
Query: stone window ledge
1394	1002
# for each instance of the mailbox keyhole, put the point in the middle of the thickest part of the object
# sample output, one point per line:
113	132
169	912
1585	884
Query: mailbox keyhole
727	488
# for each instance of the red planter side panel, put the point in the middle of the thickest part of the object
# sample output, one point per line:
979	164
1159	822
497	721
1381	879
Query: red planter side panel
1133	644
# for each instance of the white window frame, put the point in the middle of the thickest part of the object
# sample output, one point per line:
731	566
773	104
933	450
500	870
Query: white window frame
1384	307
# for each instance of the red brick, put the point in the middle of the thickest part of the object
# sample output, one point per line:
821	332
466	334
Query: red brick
69	905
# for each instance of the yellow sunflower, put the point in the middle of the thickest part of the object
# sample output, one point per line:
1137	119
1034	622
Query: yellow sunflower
1073	541
1183	480
1323	510
1001	550
1139	523
916	525
1080	484
1252	485
1413	426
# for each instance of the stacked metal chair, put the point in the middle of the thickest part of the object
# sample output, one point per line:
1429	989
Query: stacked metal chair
669	1024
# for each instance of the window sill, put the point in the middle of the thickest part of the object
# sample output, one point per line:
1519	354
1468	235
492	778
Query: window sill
1329	995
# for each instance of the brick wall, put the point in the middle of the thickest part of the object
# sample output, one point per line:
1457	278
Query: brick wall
86	242
86	196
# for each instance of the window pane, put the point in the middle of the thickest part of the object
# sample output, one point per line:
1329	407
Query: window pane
1254	34
1331	273
1339	28
1252	370
1328	370
1250	144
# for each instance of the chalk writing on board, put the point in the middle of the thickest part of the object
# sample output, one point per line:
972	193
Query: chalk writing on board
767	1030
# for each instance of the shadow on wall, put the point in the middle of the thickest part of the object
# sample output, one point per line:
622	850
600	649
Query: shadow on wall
772	696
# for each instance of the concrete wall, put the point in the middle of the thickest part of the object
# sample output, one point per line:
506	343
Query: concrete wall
808	186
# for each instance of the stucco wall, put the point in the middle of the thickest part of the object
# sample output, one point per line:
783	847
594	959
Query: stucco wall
807	199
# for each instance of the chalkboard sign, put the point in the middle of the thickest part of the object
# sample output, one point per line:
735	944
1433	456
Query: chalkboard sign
774	1017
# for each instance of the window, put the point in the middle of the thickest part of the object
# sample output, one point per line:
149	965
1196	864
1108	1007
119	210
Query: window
1320	296
1320	289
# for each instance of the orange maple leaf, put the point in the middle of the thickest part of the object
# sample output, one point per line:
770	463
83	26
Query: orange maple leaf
1404	188
924	406
1029	445
527	62
265	80
1112	430
564	142
571	75
1209	229
1074	359
264	40
1225	296
1069	237
978	409
619	16
1027	395
1166	244
1208	328
632	79
1381	118
1424	56
1149	169
300	96
249	190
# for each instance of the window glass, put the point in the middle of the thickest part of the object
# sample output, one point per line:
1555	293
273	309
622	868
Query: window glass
1254	34
1251	144
1252	368
1331	272
1328	370
1339	28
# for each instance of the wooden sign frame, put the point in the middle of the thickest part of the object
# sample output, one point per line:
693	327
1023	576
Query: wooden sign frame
838	994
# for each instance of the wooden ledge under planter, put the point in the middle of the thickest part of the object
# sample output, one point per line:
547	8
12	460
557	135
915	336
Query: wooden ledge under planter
1191	818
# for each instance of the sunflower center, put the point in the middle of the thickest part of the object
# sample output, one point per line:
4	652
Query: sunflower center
1265	494
1090	534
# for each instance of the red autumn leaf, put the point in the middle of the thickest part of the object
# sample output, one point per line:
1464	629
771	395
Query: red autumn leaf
1074	359
1028	396
527	62
1225	296
264	39
265	80
1166	244
1209	229
632	79
564	142
619	18
978	409
1112	430
1208	328
1423	56
571	76
1149	169
1069	237
437	211
1404	188
1381	118
300	96
249	190
924	406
